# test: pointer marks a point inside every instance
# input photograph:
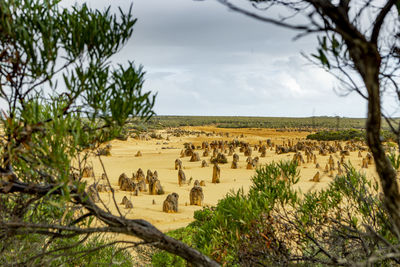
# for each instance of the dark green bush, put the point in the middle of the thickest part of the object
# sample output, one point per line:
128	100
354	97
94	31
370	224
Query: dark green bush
163	258
344	135
91	252
272	225
350	134
217	231
107	256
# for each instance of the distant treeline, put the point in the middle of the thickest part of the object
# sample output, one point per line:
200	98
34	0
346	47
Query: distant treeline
338	123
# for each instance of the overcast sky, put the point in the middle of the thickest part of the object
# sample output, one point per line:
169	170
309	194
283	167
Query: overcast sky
202	59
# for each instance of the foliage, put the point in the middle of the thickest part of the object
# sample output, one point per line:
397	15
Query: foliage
345	223
350	134
93	251
89	254
363	55
343	135
62	99
162	258
216	231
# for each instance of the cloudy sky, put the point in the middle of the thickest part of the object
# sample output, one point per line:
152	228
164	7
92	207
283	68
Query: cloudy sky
202	59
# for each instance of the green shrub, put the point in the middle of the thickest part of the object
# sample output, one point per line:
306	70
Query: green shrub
272	225
350	134
25	248
163	258
344	135
107	256
216	231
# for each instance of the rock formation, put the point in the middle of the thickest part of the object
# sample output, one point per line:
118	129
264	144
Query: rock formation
170	204
195	157
122	177
234	165
316	177
124	200
128	204
178	164
196	195
216	174
181	177
155	187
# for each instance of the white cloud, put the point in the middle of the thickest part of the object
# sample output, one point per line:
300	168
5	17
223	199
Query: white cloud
204	60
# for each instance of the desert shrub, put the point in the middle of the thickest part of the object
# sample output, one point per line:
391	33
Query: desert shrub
272	225
254	122
234	216
388	136
351	134
217	231
154	135
162	258
338	226
91	251
122	137
87	254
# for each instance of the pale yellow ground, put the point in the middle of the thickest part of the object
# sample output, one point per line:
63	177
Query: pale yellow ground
162	160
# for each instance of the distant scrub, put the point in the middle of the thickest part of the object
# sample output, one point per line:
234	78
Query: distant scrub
159	122
343	135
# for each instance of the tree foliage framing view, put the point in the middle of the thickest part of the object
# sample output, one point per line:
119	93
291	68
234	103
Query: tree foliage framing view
360	46
48	133
46	216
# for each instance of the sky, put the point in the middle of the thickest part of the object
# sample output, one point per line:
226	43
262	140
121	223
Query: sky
202	59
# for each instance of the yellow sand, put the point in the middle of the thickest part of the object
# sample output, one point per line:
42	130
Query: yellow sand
154	157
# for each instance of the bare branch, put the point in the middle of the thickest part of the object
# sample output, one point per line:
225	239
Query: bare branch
266	19
380	19
138	228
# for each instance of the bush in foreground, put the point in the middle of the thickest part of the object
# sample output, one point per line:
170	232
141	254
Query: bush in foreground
345	224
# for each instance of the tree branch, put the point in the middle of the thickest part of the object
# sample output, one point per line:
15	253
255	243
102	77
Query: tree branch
380	19
266	19
139	228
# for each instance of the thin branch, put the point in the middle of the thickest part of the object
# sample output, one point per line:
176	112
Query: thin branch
139	228
109	184
380	19
265	19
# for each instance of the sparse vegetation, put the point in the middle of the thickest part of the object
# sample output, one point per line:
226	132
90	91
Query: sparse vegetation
350	134
343	135
291	124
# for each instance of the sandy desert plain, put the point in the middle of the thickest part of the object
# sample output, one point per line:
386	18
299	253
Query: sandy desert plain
160	155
